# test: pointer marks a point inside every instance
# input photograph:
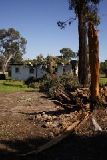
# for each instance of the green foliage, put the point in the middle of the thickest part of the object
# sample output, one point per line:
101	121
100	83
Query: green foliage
35	85
51	64
52	85
12	44
89	9
66	55
17	59
47	83
39	59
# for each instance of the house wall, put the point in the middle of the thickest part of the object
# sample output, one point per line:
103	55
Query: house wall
40	71
24	73
64	69
68	68
59	70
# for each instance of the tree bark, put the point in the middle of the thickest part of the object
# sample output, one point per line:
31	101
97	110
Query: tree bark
94	62
83	53
5	63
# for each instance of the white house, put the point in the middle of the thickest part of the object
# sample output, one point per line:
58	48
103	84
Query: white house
71	68
23	72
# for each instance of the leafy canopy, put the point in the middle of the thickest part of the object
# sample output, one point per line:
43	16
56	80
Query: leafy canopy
11	42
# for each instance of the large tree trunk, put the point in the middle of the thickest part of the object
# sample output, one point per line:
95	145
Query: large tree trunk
83	52
94	62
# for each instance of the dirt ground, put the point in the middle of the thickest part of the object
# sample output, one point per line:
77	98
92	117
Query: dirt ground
22	129
17	127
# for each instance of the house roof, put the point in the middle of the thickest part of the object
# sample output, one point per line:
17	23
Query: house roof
29	65
16	64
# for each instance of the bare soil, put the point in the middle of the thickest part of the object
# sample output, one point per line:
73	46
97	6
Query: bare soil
29	120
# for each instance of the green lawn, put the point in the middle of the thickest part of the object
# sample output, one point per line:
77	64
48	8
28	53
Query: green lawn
16	86
103	79
13	86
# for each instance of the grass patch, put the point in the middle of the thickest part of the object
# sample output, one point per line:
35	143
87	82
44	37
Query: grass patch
103	79
13	86
17	86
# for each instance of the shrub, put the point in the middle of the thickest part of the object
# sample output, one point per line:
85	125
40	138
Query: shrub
53	84
30	80
34	85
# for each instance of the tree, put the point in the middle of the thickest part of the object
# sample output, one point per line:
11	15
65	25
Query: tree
67	54
40	59
94	62
83	9
1	62
12	44
51	64
17	59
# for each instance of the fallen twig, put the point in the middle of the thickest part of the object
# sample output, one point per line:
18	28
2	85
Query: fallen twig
57	102
96	125
83	121
57	139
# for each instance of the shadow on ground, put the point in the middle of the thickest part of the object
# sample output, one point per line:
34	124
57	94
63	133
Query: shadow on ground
74	147
11	150
53	113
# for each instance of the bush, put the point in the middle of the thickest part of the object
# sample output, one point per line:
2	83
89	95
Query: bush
34	85
53	84
46	84
30	80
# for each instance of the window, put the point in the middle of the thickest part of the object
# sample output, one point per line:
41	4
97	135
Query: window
16	70
31	70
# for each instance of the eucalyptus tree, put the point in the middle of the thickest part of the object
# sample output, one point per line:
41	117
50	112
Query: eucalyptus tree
84	10
67	54
94	64
11	44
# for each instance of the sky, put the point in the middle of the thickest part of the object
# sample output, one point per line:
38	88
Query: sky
36	20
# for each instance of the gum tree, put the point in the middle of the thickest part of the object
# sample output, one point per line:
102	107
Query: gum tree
11	45
83	10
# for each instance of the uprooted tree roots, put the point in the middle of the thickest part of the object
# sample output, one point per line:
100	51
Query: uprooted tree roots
79	99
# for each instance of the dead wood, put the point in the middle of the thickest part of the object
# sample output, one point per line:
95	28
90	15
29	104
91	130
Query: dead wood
96	125
54	141
64	96
57	139
83	121
59	103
